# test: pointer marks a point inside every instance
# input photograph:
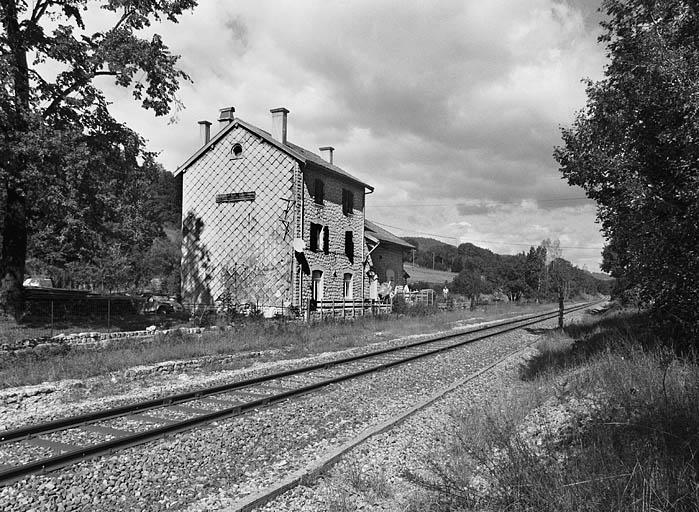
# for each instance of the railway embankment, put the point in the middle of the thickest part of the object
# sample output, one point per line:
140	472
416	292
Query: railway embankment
212	468
601	417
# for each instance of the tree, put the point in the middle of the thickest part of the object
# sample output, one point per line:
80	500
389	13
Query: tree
42	117
535	271
469	283
634	150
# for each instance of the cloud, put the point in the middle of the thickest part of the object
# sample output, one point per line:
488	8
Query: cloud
458	102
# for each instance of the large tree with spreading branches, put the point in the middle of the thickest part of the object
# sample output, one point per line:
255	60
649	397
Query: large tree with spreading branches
634	149
51	105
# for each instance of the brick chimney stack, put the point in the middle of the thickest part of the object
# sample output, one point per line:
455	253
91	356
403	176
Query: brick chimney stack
327	153
225	117
279	124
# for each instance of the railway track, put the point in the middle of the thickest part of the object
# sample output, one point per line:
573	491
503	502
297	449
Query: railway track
48	446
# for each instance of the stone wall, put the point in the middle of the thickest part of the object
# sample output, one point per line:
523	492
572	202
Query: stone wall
335	264
387	257
239	251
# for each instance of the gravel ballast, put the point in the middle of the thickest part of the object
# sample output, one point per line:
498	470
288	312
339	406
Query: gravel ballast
211	468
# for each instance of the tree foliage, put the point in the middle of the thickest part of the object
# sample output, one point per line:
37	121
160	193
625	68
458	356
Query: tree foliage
634	150
57	134
534	275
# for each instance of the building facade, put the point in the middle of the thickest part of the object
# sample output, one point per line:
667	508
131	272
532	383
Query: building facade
267	222
386	254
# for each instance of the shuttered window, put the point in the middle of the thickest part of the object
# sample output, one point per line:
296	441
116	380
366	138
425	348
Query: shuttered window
326	240
314	242
318	191
347	202
349	246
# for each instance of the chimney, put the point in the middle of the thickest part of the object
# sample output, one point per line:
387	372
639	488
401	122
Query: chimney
279	124
204	132
327	153
225	117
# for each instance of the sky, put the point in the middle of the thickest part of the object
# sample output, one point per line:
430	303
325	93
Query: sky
449	109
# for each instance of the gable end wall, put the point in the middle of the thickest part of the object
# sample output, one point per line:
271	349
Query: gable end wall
239	252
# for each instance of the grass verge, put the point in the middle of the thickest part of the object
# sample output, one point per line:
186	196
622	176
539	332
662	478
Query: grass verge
606	417
263	340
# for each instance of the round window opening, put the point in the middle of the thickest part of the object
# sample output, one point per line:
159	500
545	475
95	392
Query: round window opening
237	149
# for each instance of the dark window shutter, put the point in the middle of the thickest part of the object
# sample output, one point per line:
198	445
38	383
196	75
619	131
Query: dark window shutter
349	246
319	191
347	202
326	240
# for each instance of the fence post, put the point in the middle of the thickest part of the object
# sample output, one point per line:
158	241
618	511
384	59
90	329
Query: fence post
52	318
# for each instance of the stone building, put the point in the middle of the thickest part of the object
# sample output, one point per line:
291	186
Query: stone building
267	222
386	254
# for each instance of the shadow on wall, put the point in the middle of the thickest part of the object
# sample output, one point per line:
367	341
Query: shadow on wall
196	262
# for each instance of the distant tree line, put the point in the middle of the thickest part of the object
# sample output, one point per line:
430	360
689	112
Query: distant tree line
536	275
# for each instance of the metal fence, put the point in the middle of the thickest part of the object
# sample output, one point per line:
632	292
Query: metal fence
50	312
44	316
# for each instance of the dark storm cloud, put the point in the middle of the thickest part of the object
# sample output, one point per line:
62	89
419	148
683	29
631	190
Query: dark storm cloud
454	102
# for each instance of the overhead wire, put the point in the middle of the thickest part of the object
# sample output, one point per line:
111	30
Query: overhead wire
480	203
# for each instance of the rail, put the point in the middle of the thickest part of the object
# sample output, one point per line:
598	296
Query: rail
236	398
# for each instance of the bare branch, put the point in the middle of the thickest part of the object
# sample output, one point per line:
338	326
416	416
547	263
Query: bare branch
39	10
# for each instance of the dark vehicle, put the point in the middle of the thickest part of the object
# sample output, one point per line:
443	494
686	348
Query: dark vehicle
160	305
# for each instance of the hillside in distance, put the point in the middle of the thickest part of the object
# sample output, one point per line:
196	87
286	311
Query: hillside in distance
435	261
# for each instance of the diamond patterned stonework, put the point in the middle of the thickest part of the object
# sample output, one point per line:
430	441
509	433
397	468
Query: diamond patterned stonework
240	251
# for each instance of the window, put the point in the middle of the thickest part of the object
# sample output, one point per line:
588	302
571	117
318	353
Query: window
316	230
318	191
317	285
237	150
349	246
347	202
347	286
326	240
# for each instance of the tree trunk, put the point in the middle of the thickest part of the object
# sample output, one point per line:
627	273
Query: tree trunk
14	240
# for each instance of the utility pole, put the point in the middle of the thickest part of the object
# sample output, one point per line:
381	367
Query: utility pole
432	261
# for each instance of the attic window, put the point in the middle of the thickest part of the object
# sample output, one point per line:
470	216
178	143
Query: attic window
237	150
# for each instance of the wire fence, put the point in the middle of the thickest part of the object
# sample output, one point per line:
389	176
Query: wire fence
48	313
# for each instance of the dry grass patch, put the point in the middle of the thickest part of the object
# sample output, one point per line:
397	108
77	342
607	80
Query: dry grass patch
248	341
613	424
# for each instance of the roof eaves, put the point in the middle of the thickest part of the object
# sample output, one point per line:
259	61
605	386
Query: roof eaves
385	235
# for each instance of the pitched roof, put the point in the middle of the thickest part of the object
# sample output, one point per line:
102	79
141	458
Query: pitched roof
319	161
384	236
301	154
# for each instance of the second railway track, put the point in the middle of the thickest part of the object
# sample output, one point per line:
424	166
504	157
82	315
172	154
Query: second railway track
104	432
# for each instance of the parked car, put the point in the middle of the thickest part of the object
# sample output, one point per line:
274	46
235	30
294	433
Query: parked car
161	305
38	282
